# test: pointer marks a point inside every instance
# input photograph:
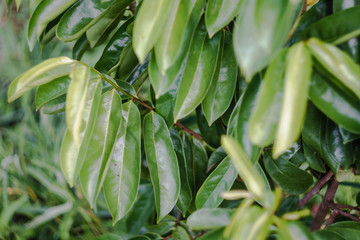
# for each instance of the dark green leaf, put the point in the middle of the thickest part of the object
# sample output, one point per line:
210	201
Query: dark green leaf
215	158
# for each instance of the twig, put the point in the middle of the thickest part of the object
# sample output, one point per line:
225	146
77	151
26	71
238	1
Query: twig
339	206
325	205
315	189
348	215
332	218
188	130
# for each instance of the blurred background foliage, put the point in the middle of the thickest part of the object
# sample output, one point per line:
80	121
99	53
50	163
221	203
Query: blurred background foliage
35	201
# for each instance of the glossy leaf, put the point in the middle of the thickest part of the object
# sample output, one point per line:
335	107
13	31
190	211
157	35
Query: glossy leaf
211	134
165	103
56	105
198	72
337	28
123	178
297	82
114	48
287	175
348	136
265	118
174	40
313	159
83	15
45	12
223	85
51	90
185	196
199	163
76	101
162	162
260	31
219	181
149	24
180	234
340	230
95	168
253	181
215	158
80	47
338	63
71	156
220	13
209	218
42	73
343	153
336	104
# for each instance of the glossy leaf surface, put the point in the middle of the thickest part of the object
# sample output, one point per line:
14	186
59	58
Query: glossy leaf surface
162	162
222	89
297	82
149	24
198	72
219	181
123	178
219	13
287	175
265	118
42	73
96	165
209	218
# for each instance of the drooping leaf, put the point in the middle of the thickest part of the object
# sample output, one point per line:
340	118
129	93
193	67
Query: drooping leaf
337	28
337	105
264	120
338	63
162	162
220	13
113	50
198	72
45	12
83	15
149	24
95	168
71	156
219	181
223	85
287	175
185	196
297	82
42	73
260	31
123	178
51	90
209	218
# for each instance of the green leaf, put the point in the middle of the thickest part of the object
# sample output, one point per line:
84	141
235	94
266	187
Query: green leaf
83	15
220	13
293	230
42	73
123	178
223	85
80	47
185	196
100	32
348	136
338	63
113	50
219	181
95	168
56	105
162	162
336	28
51	90
340	230
165	104
240	126
260	31
76	101
253	181
180	234
174	40
297	82
198	72
337	105
265	118
45	12
149	24
199	163
71	156
313	159
215	234
209	218
215	158
287	175
254	224
343	153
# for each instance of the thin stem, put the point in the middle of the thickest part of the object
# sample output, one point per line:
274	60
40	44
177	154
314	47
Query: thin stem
315	189
332	218
188	130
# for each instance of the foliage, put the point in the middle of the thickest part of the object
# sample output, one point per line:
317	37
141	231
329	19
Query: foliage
165	103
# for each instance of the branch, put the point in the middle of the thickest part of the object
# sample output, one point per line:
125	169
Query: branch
188	130
332	218
315	189
325	205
